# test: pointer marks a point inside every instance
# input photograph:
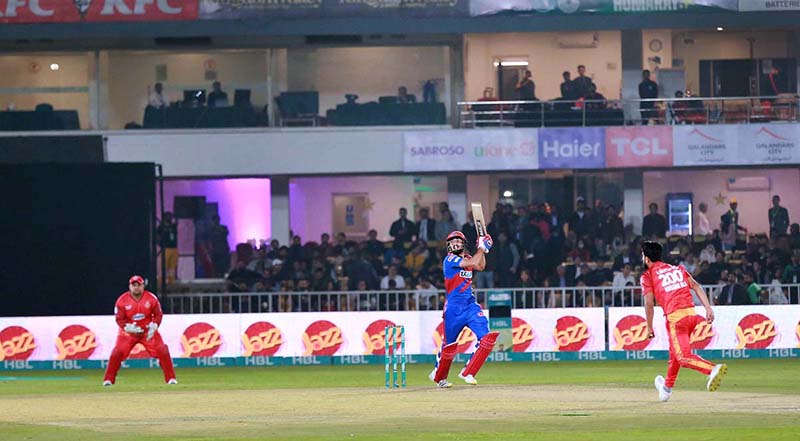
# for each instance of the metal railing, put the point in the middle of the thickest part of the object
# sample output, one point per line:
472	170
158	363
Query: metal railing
433	300
563	113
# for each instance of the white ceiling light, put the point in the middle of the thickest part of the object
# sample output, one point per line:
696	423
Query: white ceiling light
54	66
508	194
720	28
511	63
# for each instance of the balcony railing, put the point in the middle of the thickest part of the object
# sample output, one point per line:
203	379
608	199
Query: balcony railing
628	112
409	300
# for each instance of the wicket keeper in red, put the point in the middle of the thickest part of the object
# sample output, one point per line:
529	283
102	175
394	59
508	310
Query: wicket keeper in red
671	287
138	314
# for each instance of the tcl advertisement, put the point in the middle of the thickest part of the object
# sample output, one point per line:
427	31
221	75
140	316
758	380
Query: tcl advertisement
70	11
734	327
291	334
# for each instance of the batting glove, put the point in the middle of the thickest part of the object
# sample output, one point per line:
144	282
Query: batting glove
151	330
133	328
485	243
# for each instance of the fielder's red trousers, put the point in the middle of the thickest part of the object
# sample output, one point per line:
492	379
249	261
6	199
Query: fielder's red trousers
680	325
155	347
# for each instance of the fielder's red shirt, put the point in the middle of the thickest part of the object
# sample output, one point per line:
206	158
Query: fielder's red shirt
670	286
143	311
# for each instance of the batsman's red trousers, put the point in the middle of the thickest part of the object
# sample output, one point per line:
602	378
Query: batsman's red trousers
680	325
155	347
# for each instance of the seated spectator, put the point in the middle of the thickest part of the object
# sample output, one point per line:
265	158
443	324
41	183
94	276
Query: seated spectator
392	279
580	252
242	279
320	281
425	295
623	279
755	293
156	98
446	225
708	254
791	273
217	98
595	100
373	246
794	236
776	294
416	258
403	97
689	262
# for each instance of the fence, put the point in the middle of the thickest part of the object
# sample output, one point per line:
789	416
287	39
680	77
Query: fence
627	112
430	300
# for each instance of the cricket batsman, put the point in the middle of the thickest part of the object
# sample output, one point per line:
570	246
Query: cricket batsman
461	309
670	285
138	314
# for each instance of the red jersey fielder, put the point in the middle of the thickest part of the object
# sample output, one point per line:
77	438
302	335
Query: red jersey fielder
138	314
671	286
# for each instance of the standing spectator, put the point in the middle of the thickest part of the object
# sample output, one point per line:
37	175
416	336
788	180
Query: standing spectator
296	251
445	225
729	226
567	87
168	240
654	224
778	218
392	276
526	88
507	260
325	246
703	226
581	221
582	84
733	293
426	227
754	291
648	89
220	250
794	236
612	225
156	98
403	230
217	98
403	97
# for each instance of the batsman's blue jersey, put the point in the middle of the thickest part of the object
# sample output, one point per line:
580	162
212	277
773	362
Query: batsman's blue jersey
461	308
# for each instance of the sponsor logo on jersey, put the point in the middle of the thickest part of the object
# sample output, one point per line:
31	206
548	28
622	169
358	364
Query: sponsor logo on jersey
702	335
374	337
755	331
75	342
522	334
571	334
322	338
261	339
138	316
200	340
464	274
466	338
16	343
127	307
630	334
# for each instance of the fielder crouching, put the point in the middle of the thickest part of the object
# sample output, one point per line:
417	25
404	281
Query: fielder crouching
138	314
462	309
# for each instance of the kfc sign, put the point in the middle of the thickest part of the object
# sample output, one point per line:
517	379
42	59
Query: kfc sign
639	146
63	11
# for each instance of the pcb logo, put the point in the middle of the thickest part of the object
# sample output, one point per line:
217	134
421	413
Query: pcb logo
702	335
571	334
261	339
522	334
16	343
322	338
755	331
374	337
466	338
200	340
75	342
630	334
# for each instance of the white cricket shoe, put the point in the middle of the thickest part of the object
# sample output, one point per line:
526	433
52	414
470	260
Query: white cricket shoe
172	381
432	375
444	384
663	393
107	383
469	379
715	378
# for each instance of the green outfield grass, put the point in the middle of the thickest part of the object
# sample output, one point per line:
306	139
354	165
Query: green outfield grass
759	400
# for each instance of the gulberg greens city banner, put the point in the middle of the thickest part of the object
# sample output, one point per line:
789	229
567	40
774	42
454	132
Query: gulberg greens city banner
82	11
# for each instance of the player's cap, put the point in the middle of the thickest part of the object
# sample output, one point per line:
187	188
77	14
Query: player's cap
277	262
733	201
136	279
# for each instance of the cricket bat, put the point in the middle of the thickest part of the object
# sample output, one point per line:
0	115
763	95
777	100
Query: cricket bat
477	216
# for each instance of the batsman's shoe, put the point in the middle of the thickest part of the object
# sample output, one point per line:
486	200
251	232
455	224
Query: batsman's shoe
715	378
107	383
433	375
444	384
469	379
172	381
663	393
